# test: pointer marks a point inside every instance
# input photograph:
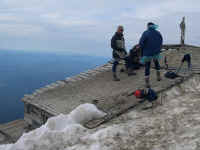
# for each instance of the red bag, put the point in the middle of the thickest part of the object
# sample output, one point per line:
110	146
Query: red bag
139	93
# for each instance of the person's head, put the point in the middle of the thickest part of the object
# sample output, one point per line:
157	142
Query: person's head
151	25
120	29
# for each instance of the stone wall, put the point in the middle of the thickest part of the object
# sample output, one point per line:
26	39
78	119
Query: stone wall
35	116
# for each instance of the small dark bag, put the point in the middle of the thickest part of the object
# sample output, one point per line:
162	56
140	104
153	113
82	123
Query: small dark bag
151	95
171	75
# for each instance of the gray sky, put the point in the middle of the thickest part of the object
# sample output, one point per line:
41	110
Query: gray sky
87	26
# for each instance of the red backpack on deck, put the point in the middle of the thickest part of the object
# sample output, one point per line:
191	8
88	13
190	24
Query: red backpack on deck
139	93
149	95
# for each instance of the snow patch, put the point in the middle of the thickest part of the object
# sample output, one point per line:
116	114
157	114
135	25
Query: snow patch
59	132
85	113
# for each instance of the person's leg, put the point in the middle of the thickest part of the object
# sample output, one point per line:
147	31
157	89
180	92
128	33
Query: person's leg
157	66
166	63
114	68
189	63
147	73
189	66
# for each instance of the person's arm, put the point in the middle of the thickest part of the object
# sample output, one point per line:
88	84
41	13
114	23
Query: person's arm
142	40
113	43
125	48
161	39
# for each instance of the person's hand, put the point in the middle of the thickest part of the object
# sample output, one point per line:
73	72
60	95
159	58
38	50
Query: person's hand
122	49
125	52
137	46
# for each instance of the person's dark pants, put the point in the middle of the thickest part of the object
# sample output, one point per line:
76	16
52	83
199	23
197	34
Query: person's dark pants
148	66
187	58
189	65
114	67
116	61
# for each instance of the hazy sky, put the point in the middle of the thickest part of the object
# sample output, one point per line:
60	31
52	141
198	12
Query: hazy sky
87	26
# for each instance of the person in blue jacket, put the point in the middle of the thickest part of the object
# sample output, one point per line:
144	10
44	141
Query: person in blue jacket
151	44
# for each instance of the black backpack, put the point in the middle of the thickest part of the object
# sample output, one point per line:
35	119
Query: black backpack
151	95
171	75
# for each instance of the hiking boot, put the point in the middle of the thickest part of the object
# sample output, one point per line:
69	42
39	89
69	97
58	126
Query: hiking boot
115	78
158	76
147	84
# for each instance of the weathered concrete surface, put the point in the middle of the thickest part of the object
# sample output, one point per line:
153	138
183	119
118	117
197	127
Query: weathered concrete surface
178	46
66	98
10	132
96	86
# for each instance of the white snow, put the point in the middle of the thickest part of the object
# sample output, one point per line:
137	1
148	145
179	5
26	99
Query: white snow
174	125
58	132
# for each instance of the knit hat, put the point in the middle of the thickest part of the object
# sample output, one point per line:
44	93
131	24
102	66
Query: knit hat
151	25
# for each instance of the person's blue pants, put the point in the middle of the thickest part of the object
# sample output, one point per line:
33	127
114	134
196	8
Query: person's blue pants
148	66
114	67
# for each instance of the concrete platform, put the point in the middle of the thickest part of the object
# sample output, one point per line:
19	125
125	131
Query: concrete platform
99	87
10	132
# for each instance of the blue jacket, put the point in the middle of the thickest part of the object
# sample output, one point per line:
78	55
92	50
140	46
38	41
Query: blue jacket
151	42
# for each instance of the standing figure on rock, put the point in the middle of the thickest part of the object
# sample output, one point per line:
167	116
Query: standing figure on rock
182	26
151	44
119	51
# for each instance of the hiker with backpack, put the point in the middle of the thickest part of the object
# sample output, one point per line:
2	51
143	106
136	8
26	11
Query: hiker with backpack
186	58
119	51
174	74
132	61
151	44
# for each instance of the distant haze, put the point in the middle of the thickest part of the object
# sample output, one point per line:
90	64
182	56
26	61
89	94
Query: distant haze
86	27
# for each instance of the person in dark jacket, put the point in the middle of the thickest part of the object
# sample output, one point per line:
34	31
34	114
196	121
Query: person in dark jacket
151	44
186	58
119	52
132	61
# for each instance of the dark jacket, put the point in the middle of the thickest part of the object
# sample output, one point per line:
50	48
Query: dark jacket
118	44
151	42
